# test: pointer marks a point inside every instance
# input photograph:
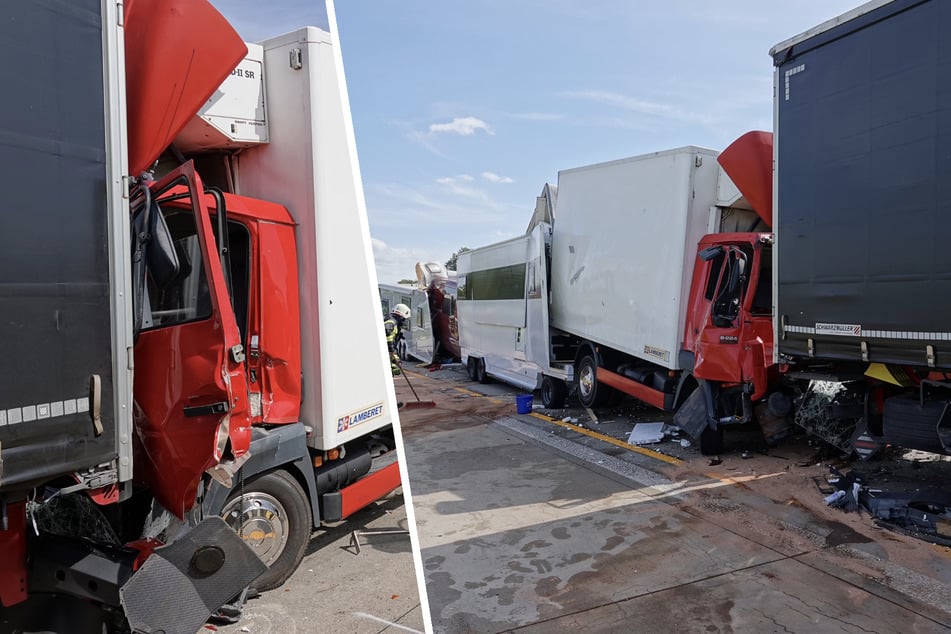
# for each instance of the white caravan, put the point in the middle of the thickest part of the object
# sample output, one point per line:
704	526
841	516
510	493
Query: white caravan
431	332
503	301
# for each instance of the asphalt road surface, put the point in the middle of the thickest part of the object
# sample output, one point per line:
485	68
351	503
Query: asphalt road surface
337	589
527	525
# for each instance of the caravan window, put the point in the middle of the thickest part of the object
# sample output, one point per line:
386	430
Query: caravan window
419	316
504	282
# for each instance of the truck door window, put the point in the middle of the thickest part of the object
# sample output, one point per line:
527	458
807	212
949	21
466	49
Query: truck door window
729	293
763	294
239	244
716	267
185	297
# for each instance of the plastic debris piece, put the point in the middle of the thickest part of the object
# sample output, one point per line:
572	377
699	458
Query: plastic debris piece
684	443
646	433
835	497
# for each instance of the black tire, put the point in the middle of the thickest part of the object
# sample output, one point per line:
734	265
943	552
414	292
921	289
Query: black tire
711	442
274	505
590	392
481	375
554	392
911	426
471	368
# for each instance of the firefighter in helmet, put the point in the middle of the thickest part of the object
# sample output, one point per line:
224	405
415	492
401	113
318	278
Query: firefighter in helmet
393	328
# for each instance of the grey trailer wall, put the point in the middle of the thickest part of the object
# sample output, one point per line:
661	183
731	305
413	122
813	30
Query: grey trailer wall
864	187
55	319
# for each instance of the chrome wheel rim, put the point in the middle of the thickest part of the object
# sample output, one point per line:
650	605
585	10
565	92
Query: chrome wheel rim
261	521
586	381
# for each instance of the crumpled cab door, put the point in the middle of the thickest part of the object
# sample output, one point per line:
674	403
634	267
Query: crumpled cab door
190	389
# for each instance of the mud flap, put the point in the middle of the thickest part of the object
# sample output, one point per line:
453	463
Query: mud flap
182	584
692	416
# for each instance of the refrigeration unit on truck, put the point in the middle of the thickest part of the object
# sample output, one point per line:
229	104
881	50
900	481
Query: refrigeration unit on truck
431	334
863	321
503	310
191	387
660	284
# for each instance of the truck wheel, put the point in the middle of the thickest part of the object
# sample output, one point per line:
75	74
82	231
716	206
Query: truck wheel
481	375
589	392
471	368
553	392
273	517
711	441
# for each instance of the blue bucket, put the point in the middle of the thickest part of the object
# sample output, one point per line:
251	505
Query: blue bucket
523	403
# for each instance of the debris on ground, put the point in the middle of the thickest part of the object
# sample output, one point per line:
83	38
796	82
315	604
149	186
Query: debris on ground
646	433
924	513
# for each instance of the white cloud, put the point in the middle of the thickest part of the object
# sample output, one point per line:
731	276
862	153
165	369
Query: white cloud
432	221
452	180
394	264
424	140
463	126
492	177
639	106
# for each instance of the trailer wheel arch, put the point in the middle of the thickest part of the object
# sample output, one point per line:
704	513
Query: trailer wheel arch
284	447
587	348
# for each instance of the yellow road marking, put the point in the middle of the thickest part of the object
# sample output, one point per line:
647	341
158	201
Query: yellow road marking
593	434
608	439
466	391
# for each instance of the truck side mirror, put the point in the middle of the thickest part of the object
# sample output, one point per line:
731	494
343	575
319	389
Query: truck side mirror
161	255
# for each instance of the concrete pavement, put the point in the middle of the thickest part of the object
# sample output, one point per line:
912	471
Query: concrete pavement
335	589
518	533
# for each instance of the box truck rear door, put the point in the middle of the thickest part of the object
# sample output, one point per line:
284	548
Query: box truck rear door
190	385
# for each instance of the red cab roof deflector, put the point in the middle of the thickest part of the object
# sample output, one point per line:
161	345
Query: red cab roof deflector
178	52
748	162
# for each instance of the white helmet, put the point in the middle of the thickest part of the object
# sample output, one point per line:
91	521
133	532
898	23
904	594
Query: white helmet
402	310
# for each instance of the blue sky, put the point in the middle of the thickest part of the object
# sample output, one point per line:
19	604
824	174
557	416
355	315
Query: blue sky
463	110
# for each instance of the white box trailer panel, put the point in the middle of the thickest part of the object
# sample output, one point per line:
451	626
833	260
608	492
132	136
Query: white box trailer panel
65	271
624	247
310	166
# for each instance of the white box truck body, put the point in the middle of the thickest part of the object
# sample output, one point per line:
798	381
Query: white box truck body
624	247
